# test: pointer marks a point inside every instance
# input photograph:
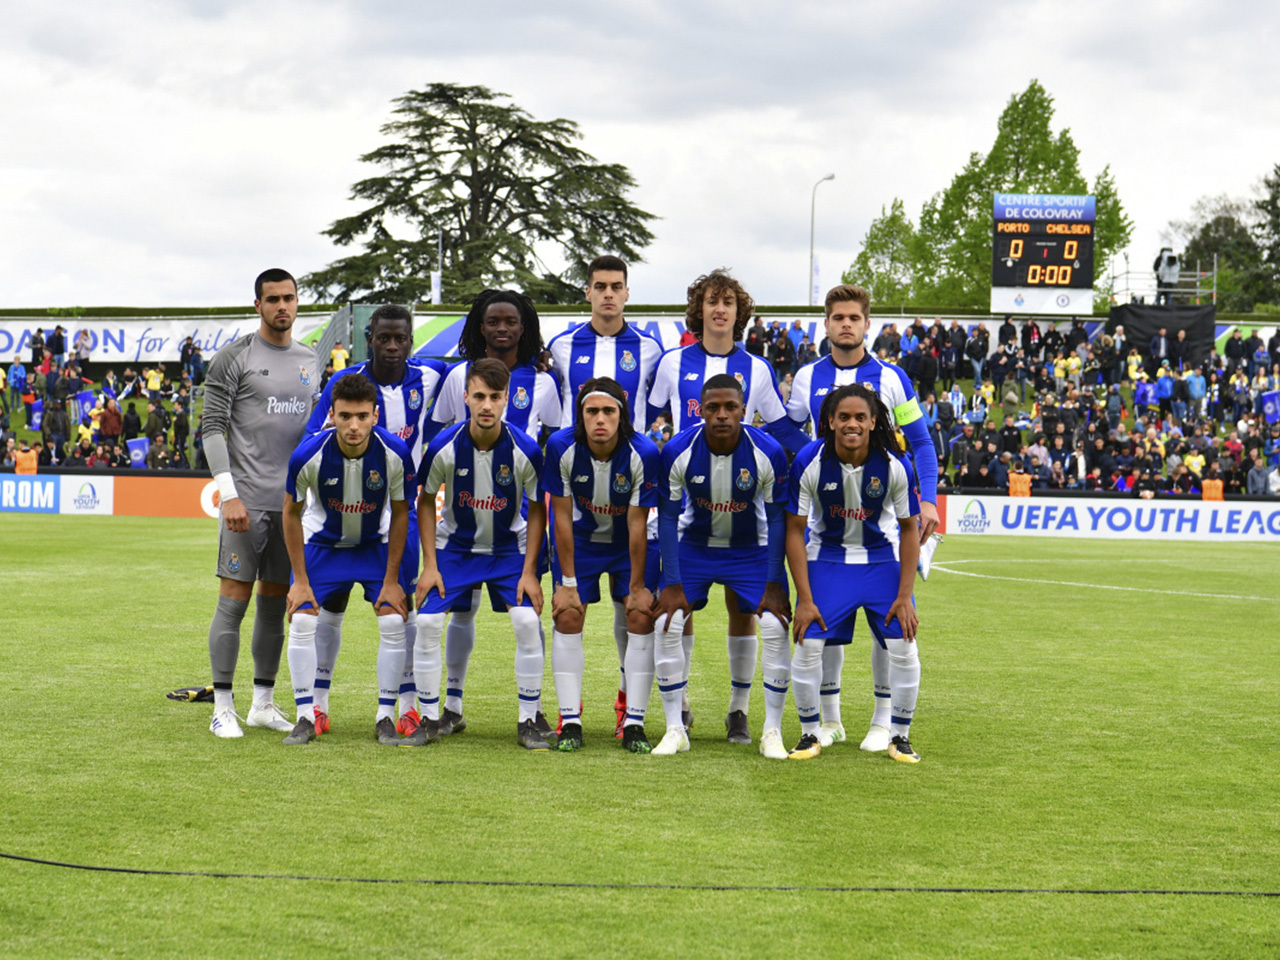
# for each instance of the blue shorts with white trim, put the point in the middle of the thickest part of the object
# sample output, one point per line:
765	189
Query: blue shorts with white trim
744	571
840	590
463	572
333	571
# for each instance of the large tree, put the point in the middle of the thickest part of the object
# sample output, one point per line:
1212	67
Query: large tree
883	265
505	189
951	248
1223	231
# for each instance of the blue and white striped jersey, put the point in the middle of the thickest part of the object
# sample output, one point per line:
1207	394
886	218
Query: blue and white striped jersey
601	490
484	490
853	512
403	408
683	371
631	358
351	497
723	498
533	399
814	381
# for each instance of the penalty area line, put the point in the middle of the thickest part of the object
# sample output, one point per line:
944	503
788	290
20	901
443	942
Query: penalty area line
692	887
945	568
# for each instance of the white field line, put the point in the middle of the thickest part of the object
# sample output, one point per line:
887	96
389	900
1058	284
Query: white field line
1090	586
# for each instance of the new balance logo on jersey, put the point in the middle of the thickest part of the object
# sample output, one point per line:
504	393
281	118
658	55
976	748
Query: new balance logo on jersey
332	481
583	360
337	506
464	471
698	479
830	486
691	376
581	478
466	499
822	393
292	406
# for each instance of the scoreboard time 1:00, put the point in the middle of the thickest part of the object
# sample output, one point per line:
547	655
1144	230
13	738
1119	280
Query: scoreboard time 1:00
1042	254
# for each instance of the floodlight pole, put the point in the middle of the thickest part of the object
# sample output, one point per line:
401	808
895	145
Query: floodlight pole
813	201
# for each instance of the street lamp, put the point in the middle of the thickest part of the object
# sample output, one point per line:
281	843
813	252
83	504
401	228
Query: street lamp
813	200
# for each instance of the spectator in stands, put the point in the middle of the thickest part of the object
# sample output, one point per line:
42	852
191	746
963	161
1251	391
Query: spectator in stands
26	461
132	423
1234	351
110	424
157	453
784	387
55	426
17	384
37	346
757	336
50	456
1256	483
1157	350
655	429
197	366
1007	333
1039	474
181	426
155	420
57	346
154	377
1212	486
783	356
976	350
805	353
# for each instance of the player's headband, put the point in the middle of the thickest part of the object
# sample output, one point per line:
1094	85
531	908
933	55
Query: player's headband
601	393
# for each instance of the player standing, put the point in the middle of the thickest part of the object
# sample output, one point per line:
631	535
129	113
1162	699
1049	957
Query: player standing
848	318
602	478
503	325
490	475
407	387
722	492
258	394
352	529
608	347
855	498
717	313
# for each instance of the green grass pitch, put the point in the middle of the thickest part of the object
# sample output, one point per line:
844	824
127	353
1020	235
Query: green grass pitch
1073	738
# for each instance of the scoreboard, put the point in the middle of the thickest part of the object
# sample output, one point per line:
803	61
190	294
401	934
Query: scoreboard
1042	253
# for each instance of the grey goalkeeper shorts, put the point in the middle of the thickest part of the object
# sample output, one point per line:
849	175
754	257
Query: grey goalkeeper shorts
257	554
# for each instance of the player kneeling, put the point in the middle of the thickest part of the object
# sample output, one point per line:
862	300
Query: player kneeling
602	478
352	530
490	475
856	497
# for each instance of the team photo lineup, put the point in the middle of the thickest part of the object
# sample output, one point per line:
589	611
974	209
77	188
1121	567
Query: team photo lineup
436	488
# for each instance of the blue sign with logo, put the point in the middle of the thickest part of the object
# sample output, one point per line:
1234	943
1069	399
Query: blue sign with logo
28	494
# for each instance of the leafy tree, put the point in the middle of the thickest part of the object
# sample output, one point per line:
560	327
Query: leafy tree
951	250
504	188
1267	231
1224	228
883	265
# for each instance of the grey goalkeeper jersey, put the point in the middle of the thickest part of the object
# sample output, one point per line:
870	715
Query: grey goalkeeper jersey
259	396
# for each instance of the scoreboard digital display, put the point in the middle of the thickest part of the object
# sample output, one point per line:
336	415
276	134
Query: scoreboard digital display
1042	253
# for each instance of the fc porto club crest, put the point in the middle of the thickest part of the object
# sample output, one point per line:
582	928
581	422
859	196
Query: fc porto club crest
741	381
415	399
875	488
628	361
233	564
621	483
504	475
744	479
521	400
304	378
374	480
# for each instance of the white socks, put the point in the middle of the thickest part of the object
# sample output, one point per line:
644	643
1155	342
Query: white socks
568	663
669	668
328	643
904	682
390	662
426	664
530	660
742	669
408	690
302	664
881	682
459	641
639	675
806	679
776	669
832	664
620	639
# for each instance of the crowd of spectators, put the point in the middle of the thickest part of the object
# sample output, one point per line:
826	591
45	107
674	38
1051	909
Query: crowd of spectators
78	422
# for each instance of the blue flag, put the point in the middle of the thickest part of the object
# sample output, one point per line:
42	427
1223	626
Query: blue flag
138	452
1271	406
37	415
87	401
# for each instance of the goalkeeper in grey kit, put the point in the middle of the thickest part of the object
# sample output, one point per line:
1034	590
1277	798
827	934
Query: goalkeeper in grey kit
258	395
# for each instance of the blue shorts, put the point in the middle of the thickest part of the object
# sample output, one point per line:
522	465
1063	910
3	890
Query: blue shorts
593	560
840	590
333	571
409	564
744	570
464	572
495	599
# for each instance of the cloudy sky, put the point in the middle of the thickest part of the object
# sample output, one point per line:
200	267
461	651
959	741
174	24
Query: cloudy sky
162	152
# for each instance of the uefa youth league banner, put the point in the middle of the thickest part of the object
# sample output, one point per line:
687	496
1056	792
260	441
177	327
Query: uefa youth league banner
1111	518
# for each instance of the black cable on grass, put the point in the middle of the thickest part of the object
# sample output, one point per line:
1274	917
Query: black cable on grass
693	887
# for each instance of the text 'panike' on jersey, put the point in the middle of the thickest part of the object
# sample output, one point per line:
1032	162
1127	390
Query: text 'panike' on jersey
723	496
533	399
485	490
845	505
630	357
351	496
601	490
404	407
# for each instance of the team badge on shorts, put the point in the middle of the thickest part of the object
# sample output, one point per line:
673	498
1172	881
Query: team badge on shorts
374	480
521	399
304	378
504	475
628	362
233	564
875	488
744	479
621	483
415	399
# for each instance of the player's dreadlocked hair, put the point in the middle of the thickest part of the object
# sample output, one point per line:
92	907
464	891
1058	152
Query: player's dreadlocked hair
471	345
614	389
717	281
883	435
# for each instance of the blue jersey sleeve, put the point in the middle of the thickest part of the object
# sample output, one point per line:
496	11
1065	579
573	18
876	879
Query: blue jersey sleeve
926	458
320	412
551	480
651	464
775	513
